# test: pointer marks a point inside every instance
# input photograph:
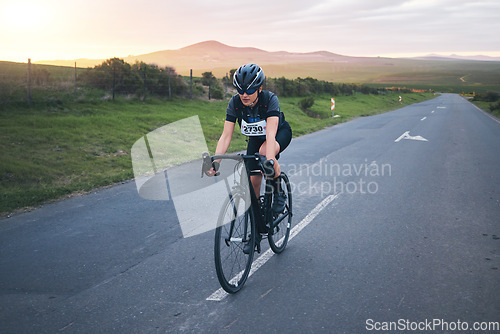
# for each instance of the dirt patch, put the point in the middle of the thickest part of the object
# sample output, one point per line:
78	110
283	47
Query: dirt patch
313	114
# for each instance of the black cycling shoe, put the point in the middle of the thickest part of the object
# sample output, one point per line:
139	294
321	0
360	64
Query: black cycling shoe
263	229
247	249
279	202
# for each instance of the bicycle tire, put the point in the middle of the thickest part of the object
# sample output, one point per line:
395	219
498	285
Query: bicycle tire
278	236
231	263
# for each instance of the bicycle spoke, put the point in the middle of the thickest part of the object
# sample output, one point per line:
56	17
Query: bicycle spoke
232	264
278	236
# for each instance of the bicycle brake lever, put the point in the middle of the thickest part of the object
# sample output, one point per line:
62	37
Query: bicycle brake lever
267	165
207	163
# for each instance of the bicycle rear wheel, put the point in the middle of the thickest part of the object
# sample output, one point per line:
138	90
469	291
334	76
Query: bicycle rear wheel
234	231
280	230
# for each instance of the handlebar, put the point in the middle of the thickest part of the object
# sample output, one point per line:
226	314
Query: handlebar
265	164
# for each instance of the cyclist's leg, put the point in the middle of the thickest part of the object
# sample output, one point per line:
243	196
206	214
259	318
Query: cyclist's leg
283	139
263	148
254	144
256	180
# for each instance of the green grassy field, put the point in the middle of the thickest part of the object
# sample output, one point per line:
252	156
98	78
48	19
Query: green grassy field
486	107
443	76
50	151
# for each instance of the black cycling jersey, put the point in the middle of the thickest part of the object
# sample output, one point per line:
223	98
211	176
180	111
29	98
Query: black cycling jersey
267	106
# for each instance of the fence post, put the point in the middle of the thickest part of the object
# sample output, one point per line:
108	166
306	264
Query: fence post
75	80
144	81
209	85
169	87
29	80
226	82
191	85
114	79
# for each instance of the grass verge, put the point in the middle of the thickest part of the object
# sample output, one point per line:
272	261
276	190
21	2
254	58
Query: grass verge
486	107
56	150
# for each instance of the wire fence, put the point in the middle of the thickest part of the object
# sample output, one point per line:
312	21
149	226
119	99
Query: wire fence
27	83
22	83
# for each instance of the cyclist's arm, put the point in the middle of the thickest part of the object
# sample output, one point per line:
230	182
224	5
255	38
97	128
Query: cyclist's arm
225	138
271	143
223	144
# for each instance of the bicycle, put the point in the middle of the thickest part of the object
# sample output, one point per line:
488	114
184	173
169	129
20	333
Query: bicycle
244	219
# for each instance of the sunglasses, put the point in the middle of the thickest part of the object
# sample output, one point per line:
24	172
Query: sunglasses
248	91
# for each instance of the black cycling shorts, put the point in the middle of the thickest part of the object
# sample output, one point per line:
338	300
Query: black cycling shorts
283	137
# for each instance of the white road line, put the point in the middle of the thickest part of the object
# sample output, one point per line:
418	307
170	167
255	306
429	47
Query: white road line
432	112
423	119
484	112
221	294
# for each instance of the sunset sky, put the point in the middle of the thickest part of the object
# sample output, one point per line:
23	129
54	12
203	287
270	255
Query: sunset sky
71	29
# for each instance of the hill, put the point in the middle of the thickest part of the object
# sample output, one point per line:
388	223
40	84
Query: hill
454	57
212	54
220	59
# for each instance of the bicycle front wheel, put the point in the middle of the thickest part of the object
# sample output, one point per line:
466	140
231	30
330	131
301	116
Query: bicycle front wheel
234	231
282	221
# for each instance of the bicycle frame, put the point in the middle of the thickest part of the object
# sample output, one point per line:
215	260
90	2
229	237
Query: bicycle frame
234	243
254	199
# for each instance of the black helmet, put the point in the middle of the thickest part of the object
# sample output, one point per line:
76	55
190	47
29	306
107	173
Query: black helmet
247	77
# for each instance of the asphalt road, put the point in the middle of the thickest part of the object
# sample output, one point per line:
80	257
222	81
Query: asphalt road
409	235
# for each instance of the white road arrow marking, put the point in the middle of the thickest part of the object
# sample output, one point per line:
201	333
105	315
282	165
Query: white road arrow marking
406	135
402	136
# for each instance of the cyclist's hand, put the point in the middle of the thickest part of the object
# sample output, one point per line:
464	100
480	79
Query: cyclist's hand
214	171
211	172
275	171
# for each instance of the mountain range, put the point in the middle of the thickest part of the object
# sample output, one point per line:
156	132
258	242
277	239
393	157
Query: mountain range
220	58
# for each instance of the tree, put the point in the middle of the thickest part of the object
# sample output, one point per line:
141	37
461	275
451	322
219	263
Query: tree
214	87
114	74
140	78
206	78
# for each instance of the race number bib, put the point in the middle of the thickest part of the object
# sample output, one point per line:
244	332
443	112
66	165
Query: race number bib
253	129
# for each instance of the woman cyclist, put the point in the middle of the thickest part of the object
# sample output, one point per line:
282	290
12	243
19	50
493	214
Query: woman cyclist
258	113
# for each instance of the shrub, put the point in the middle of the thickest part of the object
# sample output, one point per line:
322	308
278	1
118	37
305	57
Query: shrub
488	97
492	97
495	106
306	103
217	93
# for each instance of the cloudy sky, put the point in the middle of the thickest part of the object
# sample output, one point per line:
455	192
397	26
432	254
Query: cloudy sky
70	29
